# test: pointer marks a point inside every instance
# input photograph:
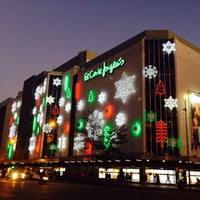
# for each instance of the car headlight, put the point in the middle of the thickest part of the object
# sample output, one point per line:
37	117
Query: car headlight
23	175
15	175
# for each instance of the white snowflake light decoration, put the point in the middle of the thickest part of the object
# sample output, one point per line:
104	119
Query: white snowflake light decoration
169	47
120	119
12	131
41	118
171	103
57	81
14	107
15	115
125	87
80	105
60	120
50	99
47	128
68	107
102	97
19	103
150	71
34	111
61	102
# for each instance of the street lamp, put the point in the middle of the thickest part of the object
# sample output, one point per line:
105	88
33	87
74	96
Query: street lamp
61	143
186	133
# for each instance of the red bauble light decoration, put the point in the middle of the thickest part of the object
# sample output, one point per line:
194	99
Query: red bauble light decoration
67	127
108	111
88	150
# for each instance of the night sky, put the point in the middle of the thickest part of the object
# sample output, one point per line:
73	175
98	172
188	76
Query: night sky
38	35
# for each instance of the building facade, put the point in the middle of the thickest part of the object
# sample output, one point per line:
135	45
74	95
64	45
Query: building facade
134	105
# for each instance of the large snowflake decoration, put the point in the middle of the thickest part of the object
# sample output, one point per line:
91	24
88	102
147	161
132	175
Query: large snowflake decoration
171	103
102	97
120	119
50	99
169	47
57	81
125	87
150	71
95	124
47	128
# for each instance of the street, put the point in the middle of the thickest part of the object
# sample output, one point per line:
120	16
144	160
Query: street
32	190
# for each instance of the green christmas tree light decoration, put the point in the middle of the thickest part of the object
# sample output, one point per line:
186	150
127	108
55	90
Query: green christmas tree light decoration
136	128
67	87
91	97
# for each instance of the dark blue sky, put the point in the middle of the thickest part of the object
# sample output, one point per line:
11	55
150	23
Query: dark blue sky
36	35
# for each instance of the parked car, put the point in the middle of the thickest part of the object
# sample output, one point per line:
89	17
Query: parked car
16	175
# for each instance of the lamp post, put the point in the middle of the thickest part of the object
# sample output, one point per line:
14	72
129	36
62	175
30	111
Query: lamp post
54	126
186	133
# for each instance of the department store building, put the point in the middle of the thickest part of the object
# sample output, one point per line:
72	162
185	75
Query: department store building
131	110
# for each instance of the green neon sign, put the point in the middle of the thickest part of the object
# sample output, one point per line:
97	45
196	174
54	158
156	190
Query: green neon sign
101	71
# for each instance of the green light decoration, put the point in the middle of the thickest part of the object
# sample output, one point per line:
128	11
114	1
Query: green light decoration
80	124
44	101
52	147
150	117
38	130
179	143
67	88
68	93
173	142
17	120
10	151
106	135
66	82
91	97
34	127
136	128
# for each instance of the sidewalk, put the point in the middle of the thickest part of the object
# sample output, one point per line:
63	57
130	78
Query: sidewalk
114	183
